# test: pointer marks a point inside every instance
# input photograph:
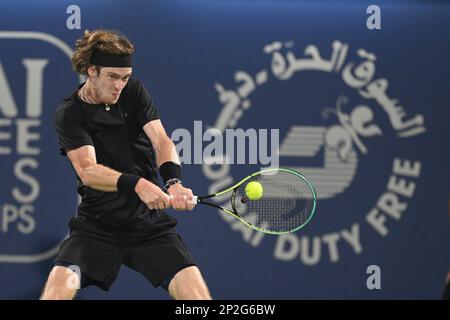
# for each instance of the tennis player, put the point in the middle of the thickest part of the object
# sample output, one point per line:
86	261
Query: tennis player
110	130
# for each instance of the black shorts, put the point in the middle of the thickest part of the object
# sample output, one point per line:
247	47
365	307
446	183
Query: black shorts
99	260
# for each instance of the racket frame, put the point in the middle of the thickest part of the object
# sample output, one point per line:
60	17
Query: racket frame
234	213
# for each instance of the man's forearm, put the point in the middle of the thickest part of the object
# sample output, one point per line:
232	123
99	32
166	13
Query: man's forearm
166	152
100	178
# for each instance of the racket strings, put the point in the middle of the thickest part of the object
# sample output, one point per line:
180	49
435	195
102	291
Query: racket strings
286	203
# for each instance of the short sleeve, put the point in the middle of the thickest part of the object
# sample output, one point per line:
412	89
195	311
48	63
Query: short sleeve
71	132
145	107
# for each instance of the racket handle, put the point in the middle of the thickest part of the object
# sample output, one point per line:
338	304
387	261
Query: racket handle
194	200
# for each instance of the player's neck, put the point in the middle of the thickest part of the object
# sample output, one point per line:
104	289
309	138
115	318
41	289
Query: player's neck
87	93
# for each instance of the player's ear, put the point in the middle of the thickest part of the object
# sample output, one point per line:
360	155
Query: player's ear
92	71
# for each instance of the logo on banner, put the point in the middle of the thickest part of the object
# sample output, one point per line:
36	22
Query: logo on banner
28	210
340	139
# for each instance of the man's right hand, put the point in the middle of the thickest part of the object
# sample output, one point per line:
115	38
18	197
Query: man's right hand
152	195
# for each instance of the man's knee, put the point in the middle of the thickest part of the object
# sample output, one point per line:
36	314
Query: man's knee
188	284
62	284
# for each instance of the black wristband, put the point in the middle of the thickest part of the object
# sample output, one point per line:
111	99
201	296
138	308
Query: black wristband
127	182
170	170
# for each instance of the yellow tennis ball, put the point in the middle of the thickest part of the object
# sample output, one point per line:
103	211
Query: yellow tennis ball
254	190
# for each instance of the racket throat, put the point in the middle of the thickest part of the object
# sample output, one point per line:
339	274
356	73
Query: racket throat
233	202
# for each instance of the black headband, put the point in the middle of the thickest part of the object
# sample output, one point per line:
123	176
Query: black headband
110	60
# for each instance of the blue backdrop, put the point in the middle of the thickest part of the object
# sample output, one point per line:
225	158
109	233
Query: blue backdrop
363	113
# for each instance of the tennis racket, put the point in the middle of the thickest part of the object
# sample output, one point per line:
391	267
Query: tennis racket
287	204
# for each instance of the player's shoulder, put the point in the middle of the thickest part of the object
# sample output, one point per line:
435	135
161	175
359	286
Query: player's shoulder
65	106
69	107
133	81
136	92
68	104
134	85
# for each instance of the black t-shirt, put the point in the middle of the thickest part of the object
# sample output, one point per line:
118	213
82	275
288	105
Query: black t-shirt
121	144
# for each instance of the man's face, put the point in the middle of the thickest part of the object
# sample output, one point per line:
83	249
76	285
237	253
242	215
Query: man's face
109	83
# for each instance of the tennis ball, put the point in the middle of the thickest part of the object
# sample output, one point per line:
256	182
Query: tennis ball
254	190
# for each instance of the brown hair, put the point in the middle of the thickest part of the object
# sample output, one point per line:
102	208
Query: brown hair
106	41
